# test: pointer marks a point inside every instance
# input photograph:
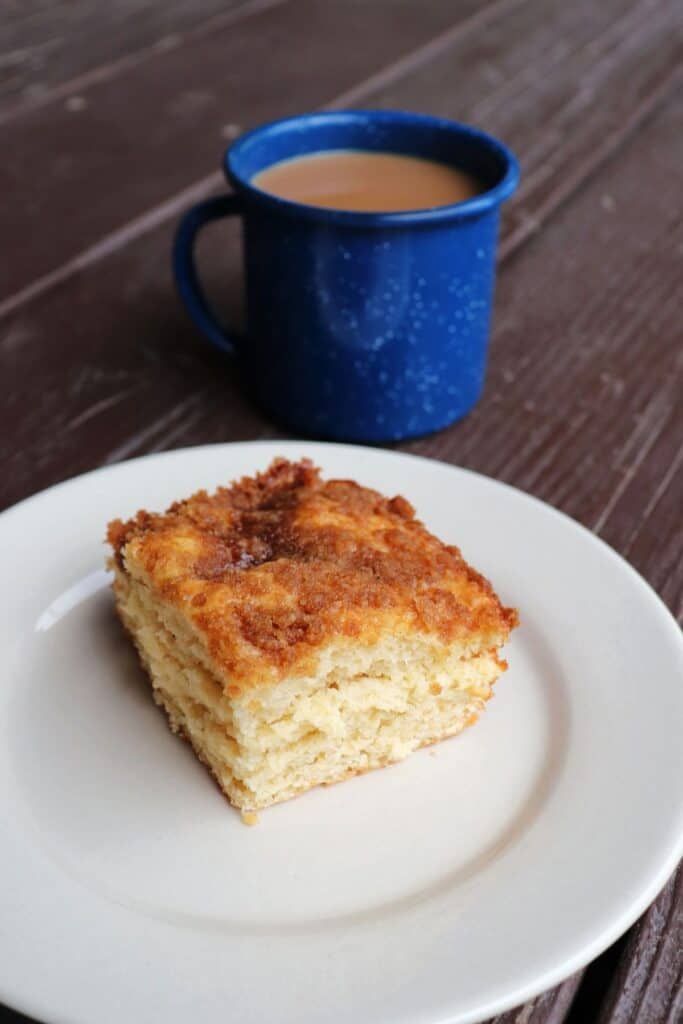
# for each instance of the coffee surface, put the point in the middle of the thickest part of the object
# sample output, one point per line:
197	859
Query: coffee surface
358	180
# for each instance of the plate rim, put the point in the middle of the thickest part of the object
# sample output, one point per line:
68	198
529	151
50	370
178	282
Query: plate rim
632	906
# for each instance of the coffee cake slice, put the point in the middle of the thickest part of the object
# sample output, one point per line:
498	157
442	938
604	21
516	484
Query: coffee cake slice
298	631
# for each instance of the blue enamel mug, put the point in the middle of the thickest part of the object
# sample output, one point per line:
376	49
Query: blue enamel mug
360	326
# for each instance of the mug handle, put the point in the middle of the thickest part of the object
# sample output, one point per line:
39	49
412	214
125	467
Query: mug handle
185	270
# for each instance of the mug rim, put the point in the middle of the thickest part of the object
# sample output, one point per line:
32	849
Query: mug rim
475	206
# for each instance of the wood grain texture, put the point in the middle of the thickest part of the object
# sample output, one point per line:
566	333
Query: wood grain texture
583	400
110	312
648	986
550	1008
47	46
586	72
139	138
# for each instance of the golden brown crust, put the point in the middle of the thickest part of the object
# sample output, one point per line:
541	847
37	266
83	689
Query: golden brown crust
277	566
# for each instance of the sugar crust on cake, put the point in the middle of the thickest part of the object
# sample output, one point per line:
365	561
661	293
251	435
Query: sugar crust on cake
299	631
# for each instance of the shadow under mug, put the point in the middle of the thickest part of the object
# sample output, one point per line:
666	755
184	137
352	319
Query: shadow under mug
360	326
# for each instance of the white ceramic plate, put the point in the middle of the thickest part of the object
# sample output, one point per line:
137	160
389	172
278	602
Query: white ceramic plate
448	888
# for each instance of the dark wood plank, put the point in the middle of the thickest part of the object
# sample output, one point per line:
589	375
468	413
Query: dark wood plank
644	517
106	315
57	46
561	83
139	138
648	987
550	1008
583	75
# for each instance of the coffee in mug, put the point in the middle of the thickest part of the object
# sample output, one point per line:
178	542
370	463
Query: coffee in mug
364	180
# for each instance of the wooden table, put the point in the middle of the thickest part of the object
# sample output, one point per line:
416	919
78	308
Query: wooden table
112	120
